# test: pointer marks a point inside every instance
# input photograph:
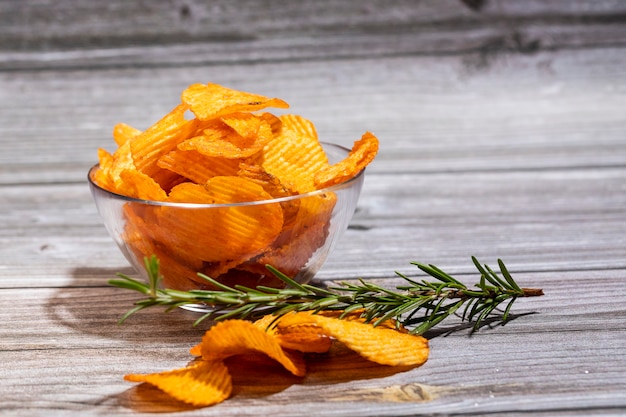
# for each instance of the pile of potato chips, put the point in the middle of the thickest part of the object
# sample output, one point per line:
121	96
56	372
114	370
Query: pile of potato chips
218	147
286	340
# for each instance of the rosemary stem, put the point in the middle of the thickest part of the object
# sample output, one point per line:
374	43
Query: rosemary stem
437	299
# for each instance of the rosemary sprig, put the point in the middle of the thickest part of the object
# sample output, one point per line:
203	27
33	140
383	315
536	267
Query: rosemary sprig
418	305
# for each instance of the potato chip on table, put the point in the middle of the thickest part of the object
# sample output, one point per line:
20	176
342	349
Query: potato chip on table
287	340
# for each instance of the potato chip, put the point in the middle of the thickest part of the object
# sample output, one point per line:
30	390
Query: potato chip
138	185
274	121
221	233
304	338
197	167
203	383
306	232
237	136
122	133
295	155
122	161
378	344
161	138
102	176
208	101
240	337
363	152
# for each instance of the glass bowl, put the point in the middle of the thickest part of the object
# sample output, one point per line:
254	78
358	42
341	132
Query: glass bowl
231	243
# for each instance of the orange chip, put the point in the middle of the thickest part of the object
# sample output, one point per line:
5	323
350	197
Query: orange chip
275	123
224	233
201	384
378	344
363	152
102	175
122	160
301	236
295	155
208	101
161	138
123	133
197	167
238	136
304	338
138	185
239	337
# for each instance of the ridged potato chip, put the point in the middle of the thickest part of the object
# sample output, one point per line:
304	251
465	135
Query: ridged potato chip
362	153
198	168
295	155
209	101
202	383
122	133
238	232
161	138
381	345
287	340
239	337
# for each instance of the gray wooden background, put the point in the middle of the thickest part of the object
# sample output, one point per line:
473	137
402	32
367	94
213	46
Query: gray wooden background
503	135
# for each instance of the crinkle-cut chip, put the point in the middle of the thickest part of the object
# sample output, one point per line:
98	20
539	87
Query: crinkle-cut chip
122	133
161	138
267	323
294	157
144	238
223	140
304	338
246	125
197	167
362	153
274	121
137	236
258	175
208	101
305	234
358	315
168	179
138	185
221	233
378	344
239	337
273	187
202	383
179	268
196	350
102	175
122	161
299	125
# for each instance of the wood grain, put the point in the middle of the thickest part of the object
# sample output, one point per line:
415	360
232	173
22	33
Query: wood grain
502	132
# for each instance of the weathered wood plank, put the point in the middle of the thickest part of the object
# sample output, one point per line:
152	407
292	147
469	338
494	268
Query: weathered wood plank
122	34
432	115
535	220
525	365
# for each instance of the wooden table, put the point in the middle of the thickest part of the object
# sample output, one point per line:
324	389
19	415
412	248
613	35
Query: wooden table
503	135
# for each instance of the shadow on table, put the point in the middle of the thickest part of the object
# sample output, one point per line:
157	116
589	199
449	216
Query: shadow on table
255	377
92	308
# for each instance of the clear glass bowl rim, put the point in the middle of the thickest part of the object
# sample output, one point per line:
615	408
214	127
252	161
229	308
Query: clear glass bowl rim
336	187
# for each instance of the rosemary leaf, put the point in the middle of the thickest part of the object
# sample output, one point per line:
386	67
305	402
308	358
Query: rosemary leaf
418	304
